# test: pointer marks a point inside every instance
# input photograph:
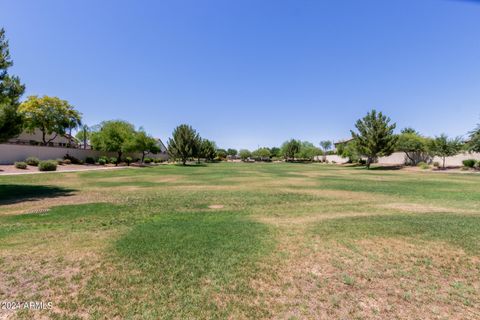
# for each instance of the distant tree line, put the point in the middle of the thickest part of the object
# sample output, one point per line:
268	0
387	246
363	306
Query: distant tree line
372	138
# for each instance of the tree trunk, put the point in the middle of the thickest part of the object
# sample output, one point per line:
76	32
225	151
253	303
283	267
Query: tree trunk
184	161
143	156
43	138
369	161
119	157
443	162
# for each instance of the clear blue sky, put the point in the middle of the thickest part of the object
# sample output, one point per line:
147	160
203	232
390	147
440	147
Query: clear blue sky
250	73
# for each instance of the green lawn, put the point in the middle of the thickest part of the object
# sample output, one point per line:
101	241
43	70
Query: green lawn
289	241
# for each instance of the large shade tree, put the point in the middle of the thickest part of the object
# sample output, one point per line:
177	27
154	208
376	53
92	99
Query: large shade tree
374	137
184	143
10	92
208	150
114	136
51	115
414	146
290	148
144	143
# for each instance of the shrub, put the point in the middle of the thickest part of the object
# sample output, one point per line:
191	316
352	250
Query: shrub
362	162
158	160
102	161
20	165
436	164
469	163
128	160
104	158
72	159
68	161
60	161
112	160
32	161
49	165
423	165
90	160
147	160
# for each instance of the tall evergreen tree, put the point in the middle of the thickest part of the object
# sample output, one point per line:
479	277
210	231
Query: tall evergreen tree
184	143
375	136
10	92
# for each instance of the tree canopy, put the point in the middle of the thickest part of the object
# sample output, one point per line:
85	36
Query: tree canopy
414	146
443	146
244	154
184	143
474	140
290	148
375	136
114	136
143	143
50	115
10	92
208	150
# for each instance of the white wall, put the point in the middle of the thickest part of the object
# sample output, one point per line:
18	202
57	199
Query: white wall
398	158
9	153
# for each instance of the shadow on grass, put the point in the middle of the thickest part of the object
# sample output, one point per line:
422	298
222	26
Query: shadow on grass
15	193
377	168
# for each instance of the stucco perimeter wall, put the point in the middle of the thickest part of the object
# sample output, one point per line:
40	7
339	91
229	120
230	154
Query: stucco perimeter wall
9	153
398	158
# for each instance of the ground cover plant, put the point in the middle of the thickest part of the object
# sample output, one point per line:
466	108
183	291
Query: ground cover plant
242	240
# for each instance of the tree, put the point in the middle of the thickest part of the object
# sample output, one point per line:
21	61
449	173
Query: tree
414	146
232	152
275	152
184	143
244	154
221	154
375	136
290	148
326	145
84	135
10	92
444	147
208	150
308	151
144	144
262	154
348	150
114	136
473	144
50	115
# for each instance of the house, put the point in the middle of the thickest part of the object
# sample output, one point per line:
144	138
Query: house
162	147
54	140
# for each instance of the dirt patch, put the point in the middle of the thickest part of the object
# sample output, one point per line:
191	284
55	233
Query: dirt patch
416	207
216	206
369	279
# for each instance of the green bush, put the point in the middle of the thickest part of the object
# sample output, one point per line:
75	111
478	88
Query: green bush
60	161
436	164
49	165
147	160
362	162
112	160
67	161
102	161
128	160
71	159
32	161
20	165
423	165
89	160
469	163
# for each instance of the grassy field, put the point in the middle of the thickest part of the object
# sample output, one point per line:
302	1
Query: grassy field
238	241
